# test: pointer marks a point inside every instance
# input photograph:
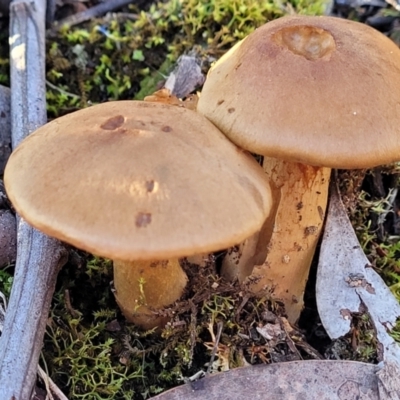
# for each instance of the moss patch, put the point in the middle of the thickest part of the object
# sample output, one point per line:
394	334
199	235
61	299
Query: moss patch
129	56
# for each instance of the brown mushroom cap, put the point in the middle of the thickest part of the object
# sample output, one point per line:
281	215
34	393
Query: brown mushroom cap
317	90
133	180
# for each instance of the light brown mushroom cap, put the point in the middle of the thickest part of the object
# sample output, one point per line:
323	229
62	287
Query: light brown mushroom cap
317	90
133	180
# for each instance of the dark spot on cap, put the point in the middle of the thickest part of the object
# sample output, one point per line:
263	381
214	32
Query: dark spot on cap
3	114
220	102
231	110
142	219
149	186
166	128
113	123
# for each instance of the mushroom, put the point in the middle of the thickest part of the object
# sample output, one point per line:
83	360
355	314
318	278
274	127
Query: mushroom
143	184
310	94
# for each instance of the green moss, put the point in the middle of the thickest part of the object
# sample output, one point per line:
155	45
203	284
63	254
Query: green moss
79	345
382	248
6	280
91	354
360	344
4	55
128	57
373	221
83	359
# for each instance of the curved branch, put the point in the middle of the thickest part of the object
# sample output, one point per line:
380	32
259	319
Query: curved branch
38	257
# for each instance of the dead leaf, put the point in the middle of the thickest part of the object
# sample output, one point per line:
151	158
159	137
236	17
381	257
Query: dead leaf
346	281
311	380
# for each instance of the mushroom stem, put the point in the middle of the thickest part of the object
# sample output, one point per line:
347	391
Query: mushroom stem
240	260
144	286
298	223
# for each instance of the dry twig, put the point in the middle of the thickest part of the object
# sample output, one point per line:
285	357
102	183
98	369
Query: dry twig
93	12
39	257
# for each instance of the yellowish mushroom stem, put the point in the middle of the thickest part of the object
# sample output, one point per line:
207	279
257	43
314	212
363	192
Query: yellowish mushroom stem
298	224
240	260
141	287
280	255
